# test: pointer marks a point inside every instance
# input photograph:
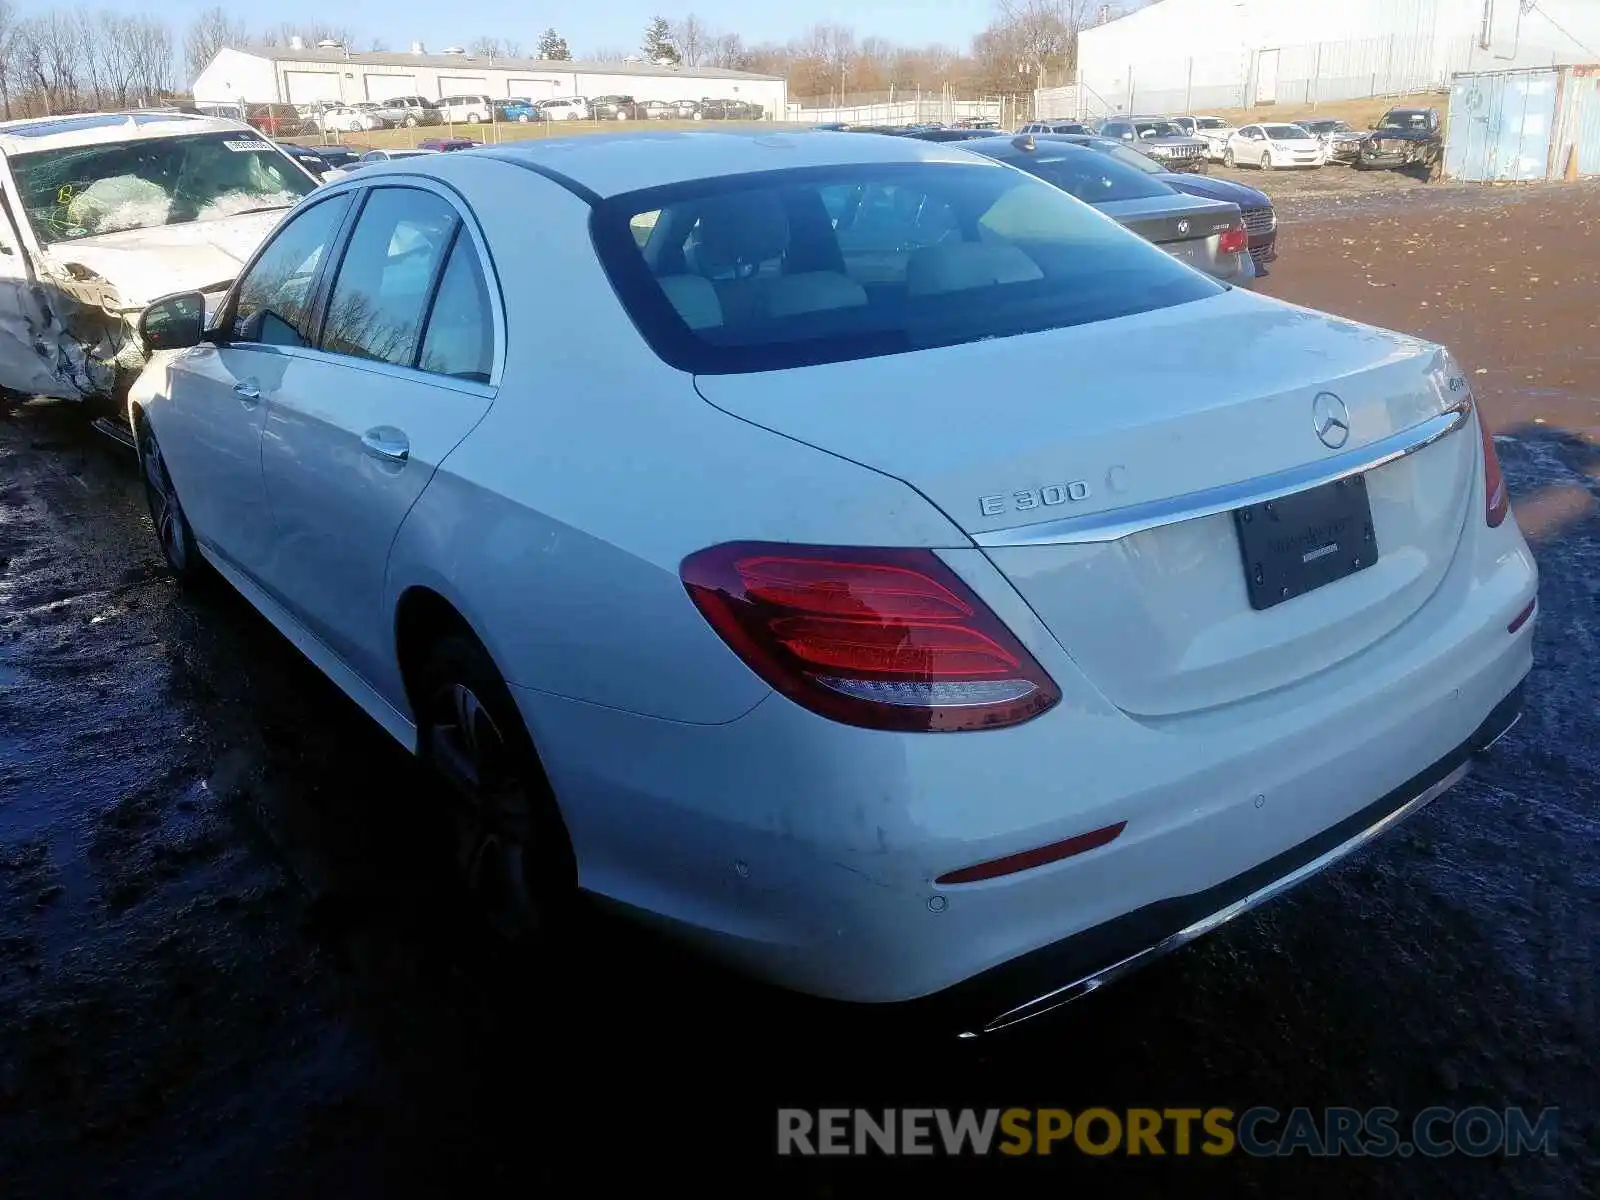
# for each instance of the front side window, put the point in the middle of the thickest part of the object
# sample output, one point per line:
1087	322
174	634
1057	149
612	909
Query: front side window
81	191
274	297
785	268
380	294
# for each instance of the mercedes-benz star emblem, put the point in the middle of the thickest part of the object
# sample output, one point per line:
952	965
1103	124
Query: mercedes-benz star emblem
1183	226
1330	419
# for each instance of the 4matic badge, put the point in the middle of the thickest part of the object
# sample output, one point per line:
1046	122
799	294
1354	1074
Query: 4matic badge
1030	498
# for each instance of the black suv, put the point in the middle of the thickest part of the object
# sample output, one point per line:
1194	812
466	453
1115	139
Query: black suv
1405	137
614	108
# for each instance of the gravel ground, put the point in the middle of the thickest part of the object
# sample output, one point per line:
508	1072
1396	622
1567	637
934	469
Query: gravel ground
231	960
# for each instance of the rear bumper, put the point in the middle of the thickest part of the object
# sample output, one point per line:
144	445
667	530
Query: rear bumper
804	852
1056	975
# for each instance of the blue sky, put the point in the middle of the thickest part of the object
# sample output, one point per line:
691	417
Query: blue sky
615	23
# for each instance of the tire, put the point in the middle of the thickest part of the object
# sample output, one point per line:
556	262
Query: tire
621	116
1228	159
410	122
173	533
1266	161
474	118
523	119
511	845
699	116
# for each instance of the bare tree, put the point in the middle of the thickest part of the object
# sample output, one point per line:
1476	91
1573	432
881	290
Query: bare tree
209	32
693	39
8	36
378	46
48	55
150	57
309	32
727	51
493	47
607	54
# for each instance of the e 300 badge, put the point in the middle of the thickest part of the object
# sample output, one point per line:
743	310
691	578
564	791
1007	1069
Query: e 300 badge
1031	498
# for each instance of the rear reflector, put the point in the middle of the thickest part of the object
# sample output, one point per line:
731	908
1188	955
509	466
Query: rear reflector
1234	241
1496	502
1522	617
1029	859
885	639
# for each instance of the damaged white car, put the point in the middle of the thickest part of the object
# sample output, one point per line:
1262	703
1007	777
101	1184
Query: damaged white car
105	212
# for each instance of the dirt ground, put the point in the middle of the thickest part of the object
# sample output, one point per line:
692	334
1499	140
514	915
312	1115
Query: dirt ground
231	962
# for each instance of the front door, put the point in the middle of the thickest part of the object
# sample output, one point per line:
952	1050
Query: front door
210	426
354	433
28	330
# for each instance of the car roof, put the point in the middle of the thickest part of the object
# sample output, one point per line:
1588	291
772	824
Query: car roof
625	162
91	129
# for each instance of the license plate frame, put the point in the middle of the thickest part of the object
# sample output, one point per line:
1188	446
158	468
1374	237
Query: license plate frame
1305	541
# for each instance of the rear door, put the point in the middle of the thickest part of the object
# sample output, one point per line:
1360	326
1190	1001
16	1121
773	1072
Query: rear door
406	366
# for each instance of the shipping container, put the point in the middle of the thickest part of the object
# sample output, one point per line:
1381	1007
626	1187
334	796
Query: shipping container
1536	124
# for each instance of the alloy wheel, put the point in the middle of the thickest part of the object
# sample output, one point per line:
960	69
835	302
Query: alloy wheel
162	497
494	813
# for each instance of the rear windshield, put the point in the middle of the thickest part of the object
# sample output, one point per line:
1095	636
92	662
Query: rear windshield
787	268
1091	176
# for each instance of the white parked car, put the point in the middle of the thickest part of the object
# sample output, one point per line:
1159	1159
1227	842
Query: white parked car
107	211
927	613
466	108
566	108
1213	131
1271	146
347	118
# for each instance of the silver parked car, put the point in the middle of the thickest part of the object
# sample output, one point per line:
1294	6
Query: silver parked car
1209	235
1162	140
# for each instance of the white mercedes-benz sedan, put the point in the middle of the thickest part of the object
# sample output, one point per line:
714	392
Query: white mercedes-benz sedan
857	556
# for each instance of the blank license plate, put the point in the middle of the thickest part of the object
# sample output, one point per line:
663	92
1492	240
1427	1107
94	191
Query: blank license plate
1301	542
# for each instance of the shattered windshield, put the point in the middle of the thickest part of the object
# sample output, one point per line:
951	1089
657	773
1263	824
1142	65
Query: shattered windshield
84	190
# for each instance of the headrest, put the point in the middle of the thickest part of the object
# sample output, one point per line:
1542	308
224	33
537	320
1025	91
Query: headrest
958	266
745	227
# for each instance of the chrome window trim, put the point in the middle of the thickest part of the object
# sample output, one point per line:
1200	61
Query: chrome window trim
371	366
1117	523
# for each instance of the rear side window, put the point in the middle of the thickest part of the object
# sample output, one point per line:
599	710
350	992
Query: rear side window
786	268
386	279
460	337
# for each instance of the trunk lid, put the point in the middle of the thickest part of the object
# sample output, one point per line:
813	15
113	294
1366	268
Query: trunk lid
1011	434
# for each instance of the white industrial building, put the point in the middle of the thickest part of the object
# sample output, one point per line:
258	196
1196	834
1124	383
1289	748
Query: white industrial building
1193	55
305	74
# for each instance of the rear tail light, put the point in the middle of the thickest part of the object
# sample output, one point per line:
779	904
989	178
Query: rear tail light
1496	503
1234	241
885	639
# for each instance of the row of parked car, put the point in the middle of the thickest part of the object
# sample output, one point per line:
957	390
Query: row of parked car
412	111
1402	137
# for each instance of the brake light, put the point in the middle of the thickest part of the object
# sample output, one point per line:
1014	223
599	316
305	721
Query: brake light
884	639
1234	241
1496	502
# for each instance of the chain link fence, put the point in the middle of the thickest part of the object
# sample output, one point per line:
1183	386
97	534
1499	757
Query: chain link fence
900	107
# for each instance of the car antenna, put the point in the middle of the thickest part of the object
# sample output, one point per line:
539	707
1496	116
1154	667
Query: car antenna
1025	143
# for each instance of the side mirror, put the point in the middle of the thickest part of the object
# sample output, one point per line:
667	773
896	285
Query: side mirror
174	322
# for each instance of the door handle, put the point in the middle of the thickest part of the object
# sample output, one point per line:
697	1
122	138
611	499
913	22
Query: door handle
388	443
248	391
